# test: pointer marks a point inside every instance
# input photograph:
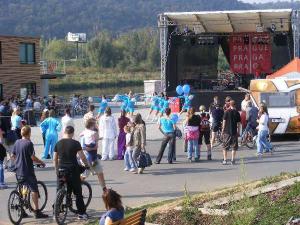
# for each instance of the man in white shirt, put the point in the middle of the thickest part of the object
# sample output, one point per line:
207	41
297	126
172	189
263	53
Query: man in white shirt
245	102
67	120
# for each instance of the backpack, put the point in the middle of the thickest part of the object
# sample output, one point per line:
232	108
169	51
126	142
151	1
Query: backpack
204	124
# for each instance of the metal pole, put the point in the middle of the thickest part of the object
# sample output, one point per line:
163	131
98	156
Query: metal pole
76	50
162	24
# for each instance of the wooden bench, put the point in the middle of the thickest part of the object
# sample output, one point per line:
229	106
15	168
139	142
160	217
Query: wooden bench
137	218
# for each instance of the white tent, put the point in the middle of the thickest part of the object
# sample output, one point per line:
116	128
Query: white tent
233	21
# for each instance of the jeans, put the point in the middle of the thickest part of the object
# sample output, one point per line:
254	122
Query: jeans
193	147
128	160
262	141
1	172
171	139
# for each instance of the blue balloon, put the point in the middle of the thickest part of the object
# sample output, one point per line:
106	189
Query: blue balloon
174	118
179	90
186	89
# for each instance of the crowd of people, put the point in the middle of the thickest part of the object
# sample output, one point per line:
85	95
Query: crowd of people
130	132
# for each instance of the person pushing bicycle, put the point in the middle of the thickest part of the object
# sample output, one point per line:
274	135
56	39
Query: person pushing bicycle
24	156
65	157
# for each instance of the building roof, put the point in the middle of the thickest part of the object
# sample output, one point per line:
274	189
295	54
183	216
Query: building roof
232	21
290	70
15	36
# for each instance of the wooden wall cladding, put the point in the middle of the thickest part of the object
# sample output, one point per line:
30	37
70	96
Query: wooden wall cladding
12	73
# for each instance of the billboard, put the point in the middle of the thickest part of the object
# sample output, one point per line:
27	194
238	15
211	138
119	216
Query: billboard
76	37
250	53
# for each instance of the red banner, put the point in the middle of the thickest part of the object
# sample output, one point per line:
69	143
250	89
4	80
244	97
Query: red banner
250	53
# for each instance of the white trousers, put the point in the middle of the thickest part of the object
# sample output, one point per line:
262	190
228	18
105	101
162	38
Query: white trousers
108	150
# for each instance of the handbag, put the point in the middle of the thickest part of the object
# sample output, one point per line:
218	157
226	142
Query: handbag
141	160
144	160
148	159
178	133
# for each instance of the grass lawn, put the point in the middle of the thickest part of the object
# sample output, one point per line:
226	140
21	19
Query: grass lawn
273	208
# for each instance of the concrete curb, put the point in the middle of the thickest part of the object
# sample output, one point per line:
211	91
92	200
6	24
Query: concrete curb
257	191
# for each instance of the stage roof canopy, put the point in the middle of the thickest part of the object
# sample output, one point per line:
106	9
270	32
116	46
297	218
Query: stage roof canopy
232	21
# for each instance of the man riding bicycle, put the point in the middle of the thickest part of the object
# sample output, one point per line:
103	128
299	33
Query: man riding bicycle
251	118
65	157
24	156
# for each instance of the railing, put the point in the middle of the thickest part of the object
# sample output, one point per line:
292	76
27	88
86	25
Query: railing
53	67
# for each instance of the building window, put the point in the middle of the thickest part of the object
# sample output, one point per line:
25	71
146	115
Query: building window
30	88
27	53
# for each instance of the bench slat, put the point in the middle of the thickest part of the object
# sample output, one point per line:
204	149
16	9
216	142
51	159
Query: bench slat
134	219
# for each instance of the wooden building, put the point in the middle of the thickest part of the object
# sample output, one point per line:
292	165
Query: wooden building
20	71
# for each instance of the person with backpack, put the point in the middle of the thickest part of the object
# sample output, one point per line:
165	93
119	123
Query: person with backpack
192	134
204	129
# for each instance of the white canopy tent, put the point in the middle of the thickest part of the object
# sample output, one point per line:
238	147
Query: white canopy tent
232	21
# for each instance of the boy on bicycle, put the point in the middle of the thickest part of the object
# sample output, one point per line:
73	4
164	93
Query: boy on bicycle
24	155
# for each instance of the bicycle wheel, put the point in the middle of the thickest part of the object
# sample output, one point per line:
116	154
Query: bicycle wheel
86	195
218	139
15	207
61	207
42	196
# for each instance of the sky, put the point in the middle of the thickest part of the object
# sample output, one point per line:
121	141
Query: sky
263	1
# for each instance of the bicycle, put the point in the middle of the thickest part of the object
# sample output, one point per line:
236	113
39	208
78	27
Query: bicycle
249	139
65	200
20	199
218	137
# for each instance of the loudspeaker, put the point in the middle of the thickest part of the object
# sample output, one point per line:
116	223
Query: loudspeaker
280	40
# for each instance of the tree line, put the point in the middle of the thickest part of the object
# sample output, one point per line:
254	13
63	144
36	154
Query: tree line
132	51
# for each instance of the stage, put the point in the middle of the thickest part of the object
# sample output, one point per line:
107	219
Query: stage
254	43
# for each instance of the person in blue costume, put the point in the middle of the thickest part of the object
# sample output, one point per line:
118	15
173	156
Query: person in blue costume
130	106
51	127
103	105
187	103
154	106
165	105
124	100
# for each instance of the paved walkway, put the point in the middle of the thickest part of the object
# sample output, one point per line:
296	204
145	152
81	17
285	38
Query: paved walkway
165	181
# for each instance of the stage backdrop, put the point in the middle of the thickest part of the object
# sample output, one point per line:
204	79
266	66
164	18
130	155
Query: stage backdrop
250	53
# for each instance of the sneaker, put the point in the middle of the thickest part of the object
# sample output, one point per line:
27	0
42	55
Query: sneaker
232	162
209	157
197	160
104	159
40	215
83	216
24	214
190	160
132	170
259	155
126	169
48	156
156	162
224	162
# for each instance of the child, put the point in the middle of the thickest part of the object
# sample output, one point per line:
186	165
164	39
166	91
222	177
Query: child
90	143
129	148
2	157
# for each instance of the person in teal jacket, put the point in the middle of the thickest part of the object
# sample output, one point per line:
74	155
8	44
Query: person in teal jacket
51	127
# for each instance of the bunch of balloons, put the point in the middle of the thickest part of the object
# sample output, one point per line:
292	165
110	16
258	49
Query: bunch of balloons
185	89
